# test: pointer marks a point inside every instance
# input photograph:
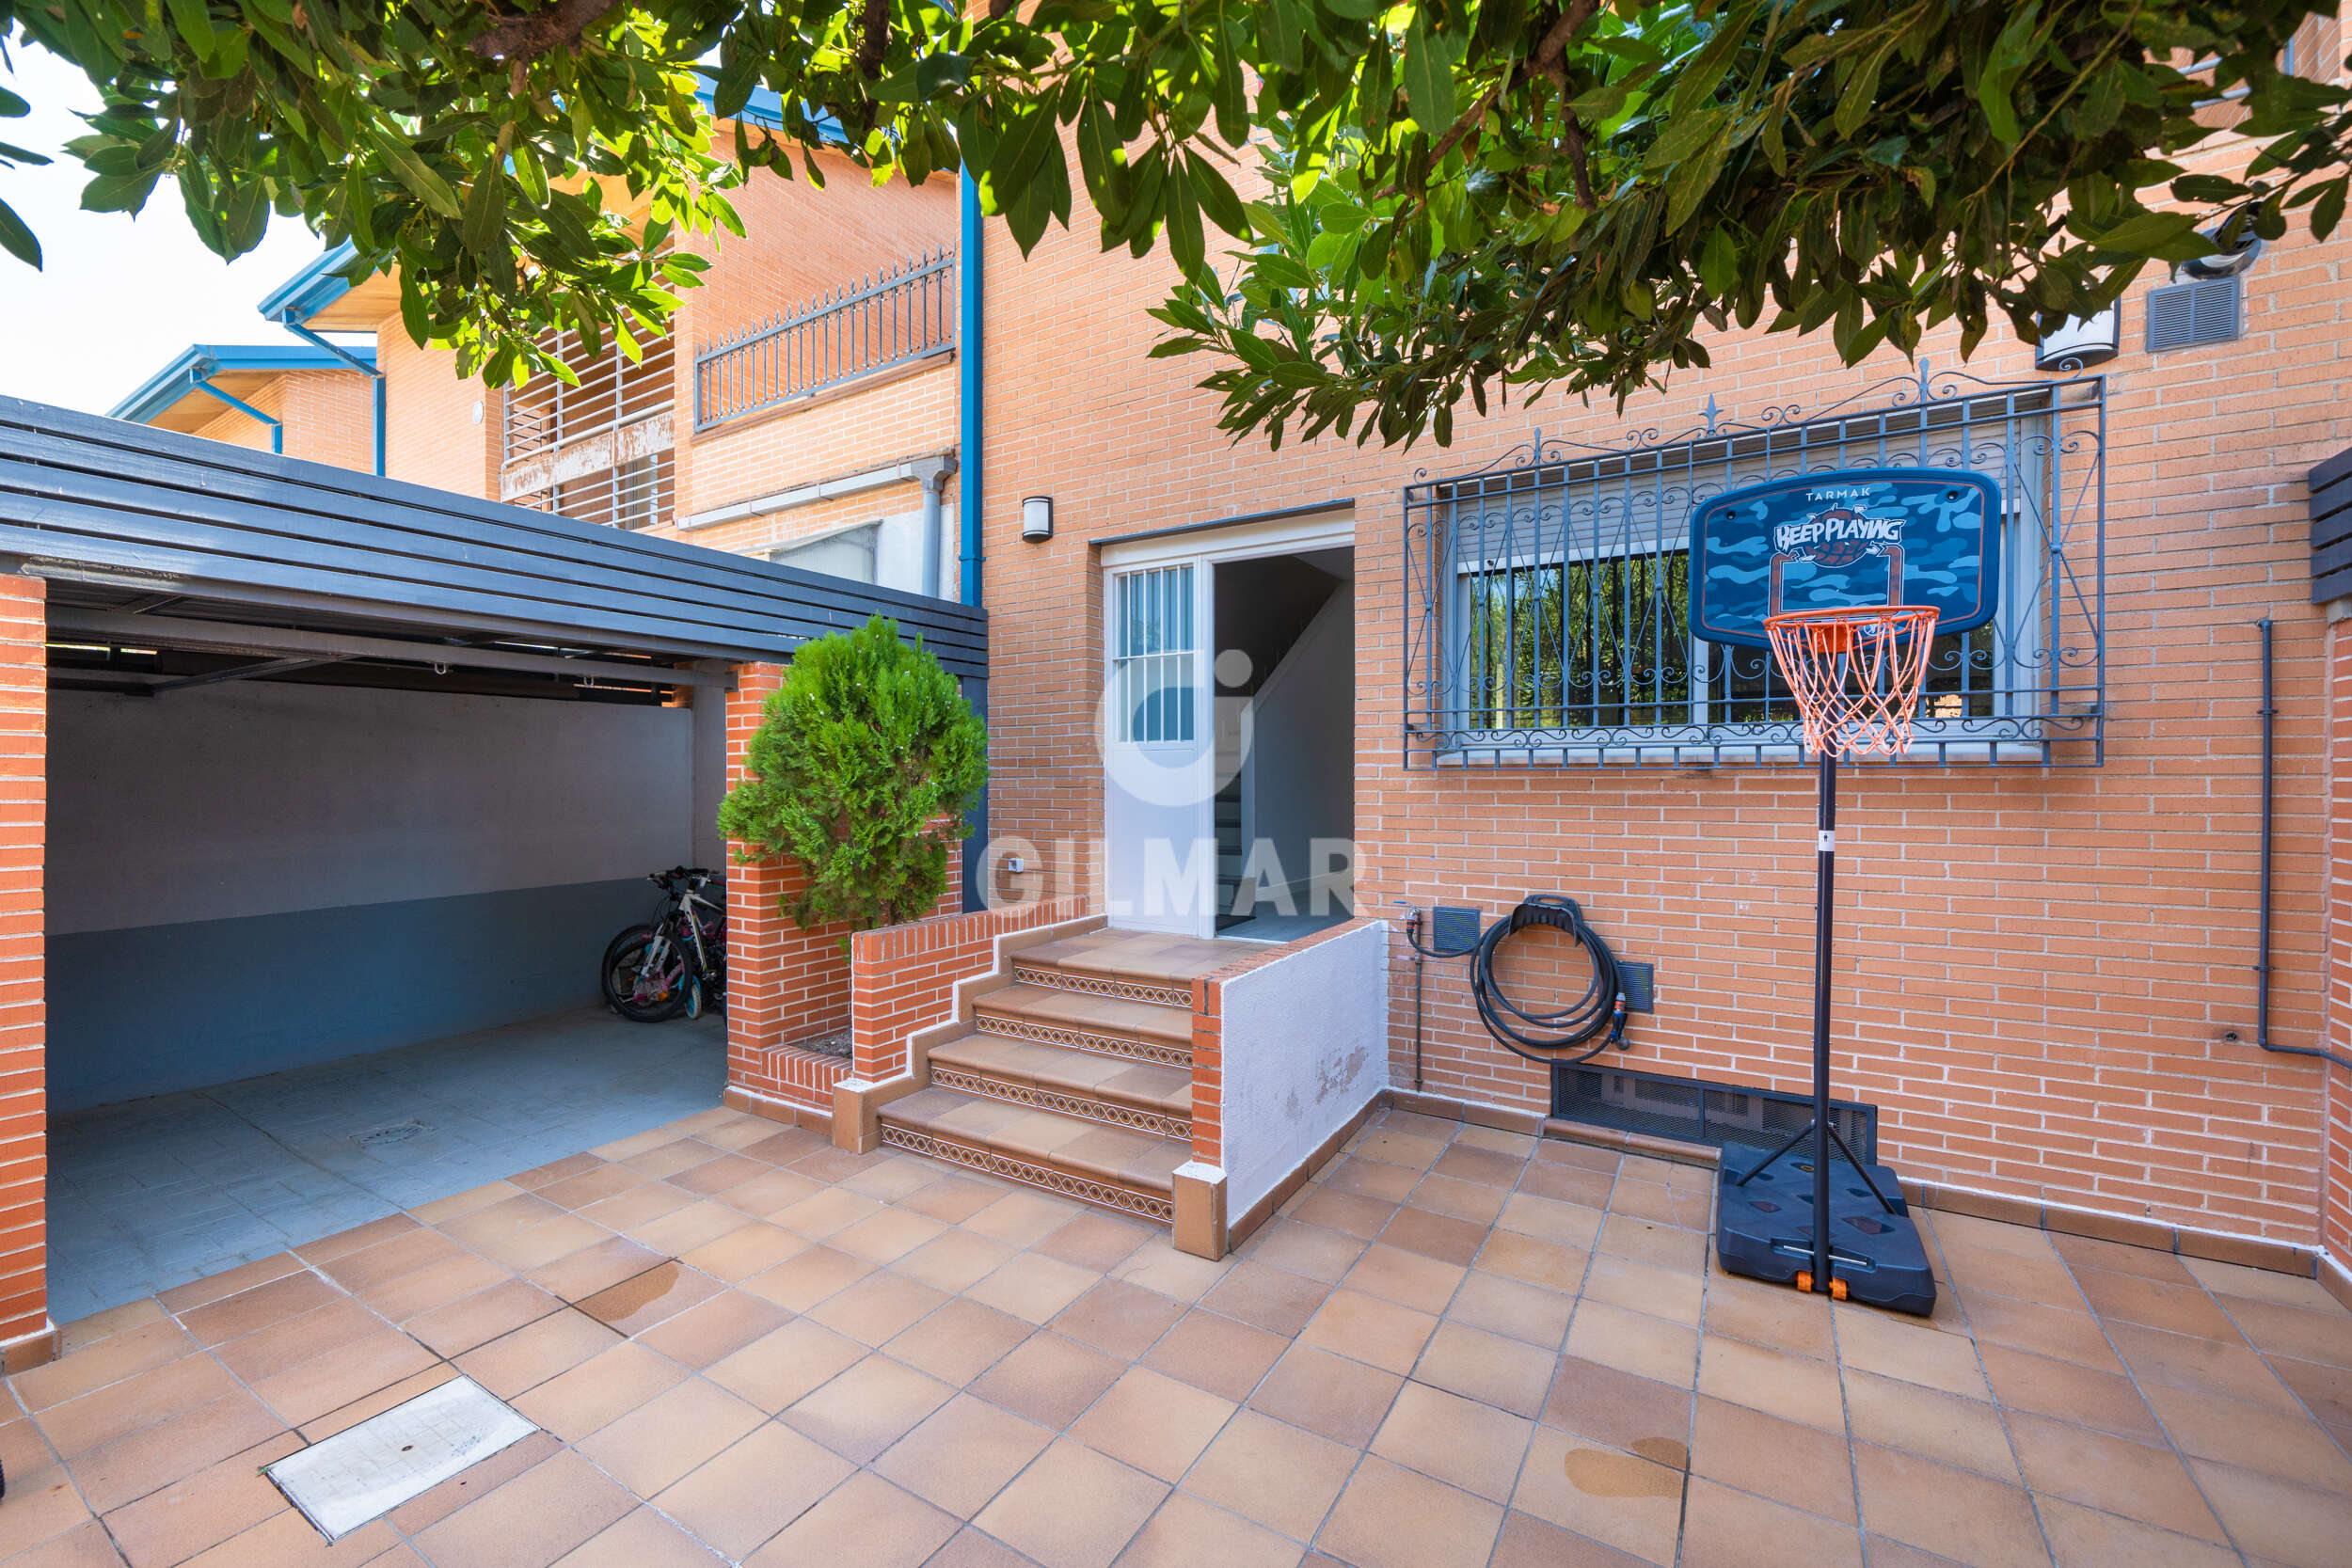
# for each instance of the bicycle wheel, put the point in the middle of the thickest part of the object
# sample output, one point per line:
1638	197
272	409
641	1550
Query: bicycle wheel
644	977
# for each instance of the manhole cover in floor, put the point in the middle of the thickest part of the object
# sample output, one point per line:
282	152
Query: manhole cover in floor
399	1132
367	1471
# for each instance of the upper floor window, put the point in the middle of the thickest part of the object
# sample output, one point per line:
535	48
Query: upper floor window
600	449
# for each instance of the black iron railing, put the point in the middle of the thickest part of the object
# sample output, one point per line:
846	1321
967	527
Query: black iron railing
905	313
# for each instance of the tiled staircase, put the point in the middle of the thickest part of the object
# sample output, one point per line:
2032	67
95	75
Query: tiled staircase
1074	1072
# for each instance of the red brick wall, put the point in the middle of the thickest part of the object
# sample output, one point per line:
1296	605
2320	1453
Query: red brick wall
24	819
903	977
327	416
2336	1175
2038	967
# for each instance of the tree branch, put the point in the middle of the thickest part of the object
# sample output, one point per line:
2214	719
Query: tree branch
875	43
532	34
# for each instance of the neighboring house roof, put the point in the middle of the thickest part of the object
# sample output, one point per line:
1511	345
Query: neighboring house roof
171	398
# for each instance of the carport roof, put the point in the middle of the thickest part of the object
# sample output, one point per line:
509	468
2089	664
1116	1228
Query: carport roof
126	520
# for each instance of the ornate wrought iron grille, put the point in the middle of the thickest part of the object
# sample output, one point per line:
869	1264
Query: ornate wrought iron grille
1547	598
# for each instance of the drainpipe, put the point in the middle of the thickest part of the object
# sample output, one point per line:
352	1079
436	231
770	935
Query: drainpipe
372	372
203	383
968	347
2262	938
935	491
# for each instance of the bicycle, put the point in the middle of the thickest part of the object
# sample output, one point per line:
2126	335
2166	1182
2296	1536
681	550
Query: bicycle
677	964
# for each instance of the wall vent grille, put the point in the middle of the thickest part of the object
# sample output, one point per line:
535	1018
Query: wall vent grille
1699	1111
2185	315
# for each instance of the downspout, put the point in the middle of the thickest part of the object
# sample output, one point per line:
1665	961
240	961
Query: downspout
277	431
968	397
2262	930
372	371
934	490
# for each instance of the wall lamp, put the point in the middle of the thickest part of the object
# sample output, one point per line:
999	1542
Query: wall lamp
1037	518
2082	341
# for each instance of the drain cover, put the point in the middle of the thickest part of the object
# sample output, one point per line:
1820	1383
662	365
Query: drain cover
367	1471
398	1133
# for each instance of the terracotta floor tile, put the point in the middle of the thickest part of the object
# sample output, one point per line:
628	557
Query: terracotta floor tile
1224	1357
1119	1319
83	1547
343	1417
531	1520
84	1331
1531	1260
245	1277
713	1176
1154	1423
285	1345
805	1278
1368	1330
955	1260
1371	1178
2206	1366
2061	1333
1662	1247
894	1177
155	1455
1774	1316
885	1237
1620	1410
877	1308
1095	1241
2085	1538
1660	1292
1400	1148
481	1225
1032	1288
207	1507
867	1408
1409	1278
528	1249
232	1317
548	1346
459	1204
1467	1163
1350	1213
1072	1508
640	1205
1020	1219
287	1540
964	1454
2177	1308
782	1366
2101	1470
752	1489
605	1180
641	1540
651	1296
479	1318
2107	1401
1188	1534
44	1504
681	1231
1942	1427
2291	1447
767	1194
1966	1517
1297	1246
1528	1541
1049	1379
2277	1520
1458	1441
597	1266
1477	1365
1268	1298
1647	1347
1434	1235
1878	1342
1616	1498
959	1341
2232	1281
666	1160
78	1425
1158	1266
1474	1201
864	1521
1341	1399
437	1285
1273	1473
342	1375
2086	1252
662	1439
343	1243
1392	1517
1799	1466
2325	1391
557	1170
405	1254
951	1199
782	1145
1723	1528
2291	1331
1794	1388
475	1482
714	1329
611	1383
826	1210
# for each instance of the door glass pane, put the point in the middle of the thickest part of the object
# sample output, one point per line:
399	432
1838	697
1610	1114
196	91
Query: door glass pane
1151	654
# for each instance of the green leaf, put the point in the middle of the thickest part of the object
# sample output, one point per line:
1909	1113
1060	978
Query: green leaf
2328	210
16	239
1184	240
483	229
1216	197
2003	62
2152	233
11	106
194	24
1719	261
427	186
1428	76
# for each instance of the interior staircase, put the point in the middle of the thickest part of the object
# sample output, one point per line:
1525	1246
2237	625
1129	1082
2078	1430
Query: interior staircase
1072	1073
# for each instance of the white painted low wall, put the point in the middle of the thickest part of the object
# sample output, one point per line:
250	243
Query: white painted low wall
1306	1046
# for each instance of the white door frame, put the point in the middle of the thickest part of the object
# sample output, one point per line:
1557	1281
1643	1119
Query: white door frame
1204	549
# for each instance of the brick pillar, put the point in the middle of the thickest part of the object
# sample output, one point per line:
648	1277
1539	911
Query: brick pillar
26	1336
784	985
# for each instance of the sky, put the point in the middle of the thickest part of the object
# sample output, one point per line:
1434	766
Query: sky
117	297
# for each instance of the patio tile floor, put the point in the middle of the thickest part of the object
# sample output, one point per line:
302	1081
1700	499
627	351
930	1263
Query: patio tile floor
745	1347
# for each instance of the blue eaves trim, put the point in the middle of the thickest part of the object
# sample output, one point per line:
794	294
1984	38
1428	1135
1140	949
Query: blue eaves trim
202	361
766	107
312	290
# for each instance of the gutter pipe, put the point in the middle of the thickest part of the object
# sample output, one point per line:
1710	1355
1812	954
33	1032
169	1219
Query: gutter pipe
2269	711
203	383
968	371
373	372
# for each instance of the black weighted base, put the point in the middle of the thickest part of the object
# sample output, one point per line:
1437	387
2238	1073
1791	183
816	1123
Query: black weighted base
1764	1229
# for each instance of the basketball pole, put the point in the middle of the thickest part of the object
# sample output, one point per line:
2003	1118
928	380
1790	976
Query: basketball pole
1824	904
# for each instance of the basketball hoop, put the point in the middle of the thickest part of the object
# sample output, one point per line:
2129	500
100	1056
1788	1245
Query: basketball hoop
1856	671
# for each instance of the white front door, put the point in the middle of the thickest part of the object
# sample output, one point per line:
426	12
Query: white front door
1159	750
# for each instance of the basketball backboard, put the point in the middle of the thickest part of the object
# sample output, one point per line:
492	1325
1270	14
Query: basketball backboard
1850	536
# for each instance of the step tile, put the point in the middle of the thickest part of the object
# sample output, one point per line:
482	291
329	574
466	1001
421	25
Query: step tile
1057	1069
1066	1144
1094	1015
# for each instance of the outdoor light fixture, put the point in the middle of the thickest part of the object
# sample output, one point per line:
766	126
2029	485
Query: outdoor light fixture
2082	341
1037	518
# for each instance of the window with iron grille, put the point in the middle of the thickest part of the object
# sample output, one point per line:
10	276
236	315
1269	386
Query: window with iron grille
598	449
1547	597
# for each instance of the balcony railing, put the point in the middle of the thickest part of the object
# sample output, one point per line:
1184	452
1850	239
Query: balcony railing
906	313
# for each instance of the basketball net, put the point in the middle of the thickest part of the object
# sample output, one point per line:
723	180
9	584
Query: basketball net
1856	671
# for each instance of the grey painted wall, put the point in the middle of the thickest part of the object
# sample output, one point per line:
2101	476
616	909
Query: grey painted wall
246	877
1302	759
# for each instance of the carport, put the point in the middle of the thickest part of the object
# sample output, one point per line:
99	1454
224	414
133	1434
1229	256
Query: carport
302	763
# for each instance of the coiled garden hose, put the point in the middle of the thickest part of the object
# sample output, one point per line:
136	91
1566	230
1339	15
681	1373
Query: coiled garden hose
1549	1035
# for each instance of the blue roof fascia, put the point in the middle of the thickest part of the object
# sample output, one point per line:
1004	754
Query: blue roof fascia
312	290
766	107
201	361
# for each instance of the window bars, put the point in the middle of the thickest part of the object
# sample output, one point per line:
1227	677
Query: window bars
904	313
1547	596
597	451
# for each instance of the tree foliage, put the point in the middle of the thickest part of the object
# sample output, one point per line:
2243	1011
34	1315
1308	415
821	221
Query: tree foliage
861	771
1467	193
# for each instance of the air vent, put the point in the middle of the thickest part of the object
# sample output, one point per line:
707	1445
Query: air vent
1697	1111
2187	314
